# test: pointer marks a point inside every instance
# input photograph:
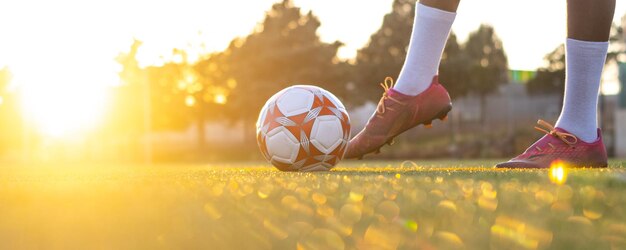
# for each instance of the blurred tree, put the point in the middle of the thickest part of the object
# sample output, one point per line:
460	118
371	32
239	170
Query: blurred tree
168	91
488	65
208	89
127	113
454	68
179	92
617	31
284	50
550	79
616	40
166	85
149	99
385	52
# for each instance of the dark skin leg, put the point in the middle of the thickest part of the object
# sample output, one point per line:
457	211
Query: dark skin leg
589	20
447	5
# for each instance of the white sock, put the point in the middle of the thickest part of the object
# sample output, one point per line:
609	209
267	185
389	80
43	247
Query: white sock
583	68
430	32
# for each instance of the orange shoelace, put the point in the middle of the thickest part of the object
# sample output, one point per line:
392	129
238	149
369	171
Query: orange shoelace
567	138
387	85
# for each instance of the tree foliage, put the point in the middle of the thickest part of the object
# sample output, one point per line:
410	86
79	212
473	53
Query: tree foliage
488	62
551	77
284	50
167	92
460	70
385	52
617	40
209	88
179	91
454	68
488	66
127	109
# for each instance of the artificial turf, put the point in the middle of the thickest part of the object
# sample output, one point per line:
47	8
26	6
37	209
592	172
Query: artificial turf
358	205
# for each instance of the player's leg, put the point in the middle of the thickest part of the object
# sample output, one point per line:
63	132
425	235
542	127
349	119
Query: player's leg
576	138
417	97
433	20
586	48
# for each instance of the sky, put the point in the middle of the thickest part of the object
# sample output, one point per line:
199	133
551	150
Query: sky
35	33
63	47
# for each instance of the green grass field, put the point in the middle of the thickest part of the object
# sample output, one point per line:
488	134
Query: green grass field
358	205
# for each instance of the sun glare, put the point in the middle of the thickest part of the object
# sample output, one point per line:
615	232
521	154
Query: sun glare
63	112
558	172
190	101
61	104
220	99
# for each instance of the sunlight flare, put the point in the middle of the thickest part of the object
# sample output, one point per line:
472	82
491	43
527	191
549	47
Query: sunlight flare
220	99
190	101
558	172
61	106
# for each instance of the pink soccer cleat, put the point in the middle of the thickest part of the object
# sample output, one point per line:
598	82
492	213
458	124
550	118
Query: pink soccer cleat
396	113
559	144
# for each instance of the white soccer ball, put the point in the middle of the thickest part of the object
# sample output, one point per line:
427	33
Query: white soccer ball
303	128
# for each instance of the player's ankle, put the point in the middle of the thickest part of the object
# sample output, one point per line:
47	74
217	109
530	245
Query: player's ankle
402	90
585	134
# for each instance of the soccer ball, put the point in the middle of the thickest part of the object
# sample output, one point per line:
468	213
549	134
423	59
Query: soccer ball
303	128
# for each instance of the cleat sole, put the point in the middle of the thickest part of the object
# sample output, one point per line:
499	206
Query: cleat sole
442	115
